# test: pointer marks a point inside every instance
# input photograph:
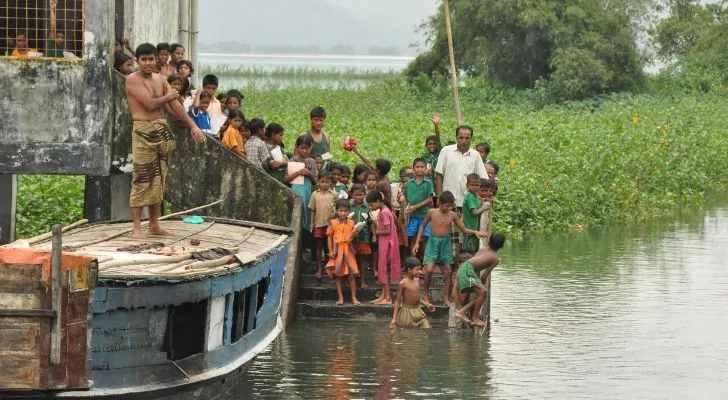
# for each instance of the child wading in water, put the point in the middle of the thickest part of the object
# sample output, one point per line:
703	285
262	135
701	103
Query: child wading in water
340	233
322	208
388	252
439	246
408	297
469	281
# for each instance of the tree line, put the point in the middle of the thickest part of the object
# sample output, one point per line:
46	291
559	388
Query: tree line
575	49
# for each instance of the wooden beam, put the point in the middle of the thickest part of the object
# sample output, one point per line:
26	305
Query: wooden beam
56	294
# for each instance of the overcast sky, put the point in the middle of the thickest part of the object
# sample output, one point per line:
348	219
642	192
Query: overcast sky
361	23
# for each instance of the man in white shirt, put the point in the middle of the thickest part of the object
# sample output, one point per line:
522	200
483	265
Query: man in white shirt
455	163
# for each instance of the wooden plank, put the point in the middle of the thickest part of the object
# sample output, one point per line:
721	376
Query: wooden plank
252	307
216	326
227	333
20	353
21	301
20	274
55	353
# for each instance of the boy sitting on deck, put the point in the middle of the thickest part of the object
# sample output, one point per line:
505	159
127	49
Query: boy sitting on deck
481	263
439	246
408	297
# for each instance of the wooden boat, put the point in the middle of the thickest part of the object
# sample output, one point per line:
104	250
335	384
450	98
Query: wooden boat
115	317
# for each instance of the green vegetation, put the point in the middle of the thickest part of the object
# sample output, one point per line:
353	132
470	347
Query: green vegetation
44	200
573	49
611	159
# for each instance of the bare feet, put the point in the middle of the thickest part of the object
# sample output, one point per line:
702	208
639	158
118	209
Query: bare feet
317	275
364	285
138	234
427	298
447	302
340	302
355	301
377	300
476	322
385	302
459	314
159	232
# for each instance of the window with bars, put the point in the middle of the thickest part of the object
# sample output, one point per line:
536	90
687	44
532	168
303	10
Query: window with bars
42	28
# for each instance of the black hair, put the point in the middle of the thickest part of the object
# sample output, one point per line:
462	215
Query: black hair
221	96
174	46
432	137
376	195
472	178
495	166
304	140
273	128
204	95
411	262
145	49
236	114
188	63
185	86
449	142
487	183
466	127
418	160
358	186
403	172
370	173
289	155
447	197
318	112
174	77
496	240
341	203
21	33
345	170
118	40
120	59
210	80
335	165
162	46
236	93
324	175
383	167
359	169
462	257
312	155
255	126
485	146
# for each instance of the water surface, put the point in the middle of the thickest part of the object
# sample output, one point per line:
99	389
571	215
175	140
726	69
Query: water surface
631	312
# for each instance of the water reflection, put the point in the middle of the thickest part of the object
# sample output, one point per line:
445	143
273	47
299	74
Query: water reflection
628	312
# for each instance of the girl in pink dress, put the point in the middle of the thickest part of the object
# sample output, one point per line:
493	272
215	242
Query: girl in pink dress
388	253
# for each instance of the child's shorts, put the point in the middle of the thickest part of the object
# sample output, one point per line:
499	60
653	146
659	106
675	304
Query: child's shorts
471	244
363	248
438	250
467	278
320	232
413	226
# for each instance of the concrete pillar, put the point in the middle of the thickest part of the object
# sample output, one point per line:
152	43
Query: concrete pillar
8	196
107	198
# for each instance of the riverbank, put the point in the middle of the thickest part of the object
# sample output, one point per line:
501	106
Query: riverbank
612	160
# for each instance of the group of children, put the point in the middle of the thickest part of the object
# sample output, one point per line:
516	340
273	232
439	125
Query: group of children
358	220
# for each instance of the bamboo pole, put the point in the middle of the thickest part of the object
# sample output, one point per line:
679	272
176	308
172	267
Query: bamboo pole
453	71
47	235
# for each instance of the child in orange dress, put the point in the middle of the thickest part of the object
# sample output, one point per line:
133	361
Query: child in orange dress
342	259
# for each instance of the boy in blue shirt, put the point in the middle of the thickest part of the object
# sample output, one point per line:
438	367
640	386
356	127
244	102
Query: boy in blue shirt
198	111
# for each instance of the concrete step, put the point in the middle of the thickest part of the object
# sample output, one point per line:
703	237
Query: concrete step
327	292
311	280
327	310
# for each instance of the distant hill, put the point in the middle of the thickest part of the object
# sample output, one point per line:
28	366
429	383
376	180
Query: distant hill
322	23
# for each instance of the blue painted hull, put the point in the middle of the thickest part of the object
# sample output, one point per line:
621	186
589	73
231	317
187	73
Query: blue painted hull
133	341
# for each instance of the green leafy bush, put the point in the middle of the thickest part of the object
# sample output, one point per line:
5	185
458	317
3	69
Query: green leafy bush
45	200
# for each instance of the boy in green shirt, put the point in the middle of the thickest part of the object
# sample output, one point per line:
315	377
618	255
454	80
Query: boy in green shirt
472	208
359	211
417	201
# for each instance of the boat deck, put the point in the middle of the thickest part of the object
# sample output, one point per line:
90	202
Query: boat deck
196	250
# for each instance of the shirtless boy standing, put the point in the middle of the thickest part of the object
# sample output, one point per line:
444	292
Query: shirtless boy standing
147	94
471	279
439	245
408	297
